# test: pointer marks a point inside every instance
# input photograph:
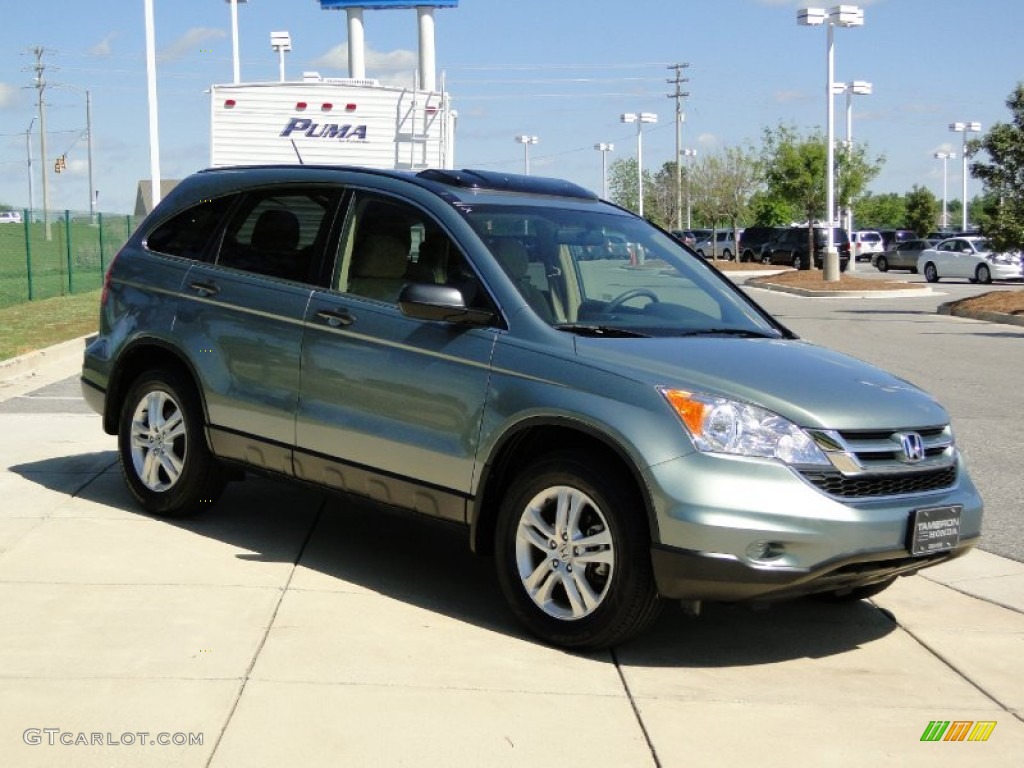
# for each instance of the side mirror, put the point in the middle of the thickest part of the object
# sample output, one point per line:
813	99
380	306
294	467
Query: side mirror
968	251
440	303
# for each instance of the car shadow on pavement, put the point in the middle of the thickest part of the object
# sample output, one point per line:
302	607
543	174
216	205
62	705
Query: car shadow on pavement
344	544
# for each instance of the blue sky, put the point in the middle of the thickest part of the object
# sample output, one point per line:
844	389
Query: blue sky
563	70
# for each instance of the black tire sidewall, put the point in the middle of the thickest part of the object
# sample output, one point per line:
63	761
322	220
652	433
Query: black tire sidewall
199	481
622	612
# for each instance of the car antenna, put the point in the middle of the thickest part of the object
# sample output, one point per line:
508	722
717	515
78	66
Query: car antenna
297	152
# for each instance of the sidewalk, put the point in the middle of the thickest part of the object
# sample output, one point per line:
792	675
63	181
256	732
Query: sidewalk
290	628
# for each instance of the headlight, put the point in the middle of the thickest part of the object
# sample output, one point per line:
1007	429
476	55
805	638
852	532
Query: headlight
720	425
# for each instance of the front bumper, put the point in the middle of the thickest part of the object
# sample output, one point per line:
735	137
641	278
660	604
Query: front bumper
1005	271
715	513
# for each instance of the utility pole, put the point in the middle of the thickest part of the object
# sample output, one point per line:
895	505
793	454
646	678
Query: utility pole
40	86
679	95
28	151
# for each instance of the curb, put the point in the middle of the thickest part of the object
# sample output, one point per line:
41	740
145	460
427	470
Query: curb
991	317
40	364
852	294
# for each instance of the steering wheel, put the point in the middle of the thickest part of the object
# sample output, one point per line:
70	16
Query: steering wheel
622	298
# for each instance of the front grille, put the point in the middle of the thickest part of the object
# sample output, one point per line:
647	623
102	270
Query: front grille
890	484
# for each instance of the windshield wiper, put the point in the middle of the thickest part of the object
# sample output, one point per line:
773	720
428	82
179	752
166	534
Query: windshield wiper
745	333
588	329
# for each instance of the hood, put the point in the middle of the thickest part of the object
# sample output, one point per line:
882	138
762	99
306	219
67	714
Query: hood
809	385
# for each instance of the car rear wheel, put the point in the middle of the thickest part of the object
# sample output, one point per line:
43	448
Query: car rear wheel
931	274
798	262
983	274
882	265
766	259
573	554
167	465
727	254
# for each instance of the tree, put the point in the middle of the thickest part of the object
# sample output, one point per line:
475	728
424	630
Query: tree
723	183
922	210
622	184
1003	176
768	210
885	211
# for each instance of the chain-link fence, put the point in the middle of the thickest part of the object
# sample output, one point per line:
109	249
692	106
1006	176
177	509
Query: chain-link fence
62	253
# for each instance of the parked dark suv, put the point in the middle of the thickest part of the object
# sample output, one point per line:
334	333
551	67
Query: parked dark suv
790	247
754	239
449	343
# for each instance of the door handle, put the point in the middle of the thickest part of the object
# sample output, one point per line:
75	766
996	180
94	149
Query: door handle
204	288
335	318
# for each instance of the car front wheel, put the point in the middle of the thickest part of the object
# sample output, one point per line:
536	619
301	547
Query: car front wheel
164	457
931	274
573	554
983	274
882	265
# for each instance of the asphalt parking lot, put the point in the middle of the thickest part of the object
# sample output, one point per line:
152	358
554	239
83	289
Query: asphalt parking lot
286	627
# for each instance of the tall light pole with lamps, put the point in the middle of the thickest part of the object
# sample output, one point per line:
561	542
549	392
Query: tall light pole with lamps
526	141
604	149
841	16
282	43
945	157
689	154
964	128
851	89
639	118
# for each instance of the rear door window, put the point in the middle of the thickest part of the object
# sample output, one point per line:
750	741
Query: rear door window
189	233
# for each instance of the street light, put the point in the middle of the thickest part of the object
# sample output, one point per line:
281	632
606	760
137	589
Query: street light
234	37
526	141
639	118
689	154
944	157
282	43
851	89
604	149
964	128
841	16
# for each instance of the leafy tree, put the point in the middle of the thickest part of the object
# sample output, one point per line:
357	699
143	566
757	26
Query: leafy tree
922	210
885	211
723	183
1003	176
768	210
622	184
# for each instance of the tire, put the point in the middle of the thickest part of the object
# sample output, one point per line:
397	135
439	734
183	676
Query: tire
611	596
727	254
798	262
166	463
857	593
766	259
983	274
881	264
930	273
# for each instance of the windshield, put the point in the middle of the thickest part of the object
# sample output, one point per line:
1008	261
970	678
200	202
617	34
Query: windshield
608	274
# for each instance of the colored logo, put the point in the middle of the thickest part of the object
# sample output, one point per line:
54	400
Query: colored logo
912	446
327	131
958	730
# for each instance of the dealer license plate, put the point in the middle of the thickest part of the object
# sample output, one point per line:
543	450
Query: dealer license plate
936	529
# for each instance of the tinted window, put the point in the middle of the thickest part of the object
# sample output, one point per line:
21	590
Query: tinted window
277	233
188	233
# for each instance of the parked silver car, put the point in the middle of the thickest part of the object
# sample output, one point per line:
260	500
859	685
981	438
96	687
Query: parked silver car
615	432
902	255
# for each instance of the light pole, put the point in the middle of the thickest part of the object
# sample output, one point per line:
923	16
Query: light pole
689	154
282	43
154	118
843	16
88	134
604	149
944	157
639	118
851	89
234	37
964	128
526	141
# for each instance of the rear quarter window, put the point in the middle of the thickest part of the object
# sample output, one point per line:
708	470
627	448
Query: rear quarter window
188	233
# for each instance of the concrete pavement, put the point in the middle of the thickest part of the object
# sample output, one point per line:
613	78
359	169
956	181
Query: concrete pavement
286	627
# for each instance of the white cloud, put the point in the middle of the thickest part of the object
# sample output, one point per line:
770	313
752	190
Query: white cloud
103	48
190	42
396	66
790	96
8	95
707	140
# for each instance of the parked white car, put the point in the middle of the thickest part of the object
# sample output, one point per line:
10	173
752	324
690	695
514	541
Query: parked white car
968	257
718	245
865	243
10	217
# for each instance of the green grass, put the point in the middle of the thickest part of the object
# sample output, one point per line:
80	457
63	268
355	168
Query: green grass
37	324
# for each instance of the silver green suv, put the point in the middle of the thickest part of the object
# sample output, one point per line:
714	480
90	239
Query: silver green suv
614	432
